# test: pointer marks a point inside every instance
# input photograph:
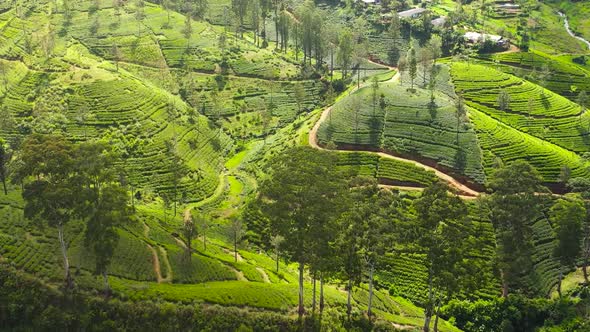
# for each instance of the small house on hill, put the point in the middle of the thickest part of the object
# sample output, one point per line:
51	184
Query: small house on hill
439	22
476	37
370	2
412	13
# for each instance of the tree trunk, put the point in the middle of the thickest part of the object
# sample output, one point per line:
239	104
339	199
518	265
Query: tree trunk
358	77
301	309
296	42
107	287
321	293
313	302
428	309
504	284
559	281
236	249
436	318
458	124
348	304
276	19
277	259
585	266
4	185
331	64
64	252
370	304
204	242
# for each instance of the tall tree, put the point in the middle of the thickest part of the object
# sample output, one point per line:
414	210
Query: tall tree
514	204
200	8
504	100
394	32
345	50
102	201
110	211
237	234
47	171
240	9
567	217
189	232
276	241
139	15
188	30
302	184
116	53
412	65
441	219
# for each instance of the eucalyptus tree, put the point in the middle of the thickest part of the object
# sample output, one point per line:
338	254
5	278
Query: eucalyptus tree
514	203
567	217
47	170
303	191
440	232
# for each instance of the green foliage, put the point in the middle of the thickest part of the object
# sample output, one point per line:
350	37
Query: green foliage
514	204
516	313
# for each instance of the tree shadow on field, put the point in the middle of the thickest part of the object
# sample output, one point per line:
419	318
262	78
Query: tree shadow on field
375	124
545	100
432	109
460	159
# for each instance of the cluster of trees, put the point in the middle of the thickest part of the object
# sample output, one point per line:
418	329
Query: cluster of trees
338	228
64	182
516	201
304	29
421	61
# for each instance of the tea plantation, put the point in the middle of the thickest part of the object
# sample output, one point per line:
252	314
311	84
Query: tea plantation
201	103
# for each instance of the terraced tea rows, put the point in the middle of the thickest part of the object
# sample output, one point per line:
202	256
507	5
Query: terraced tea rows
503	144
559	76
531	109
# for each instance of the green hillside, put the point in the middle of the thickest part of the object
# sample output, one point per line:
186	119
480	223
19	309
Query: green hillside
284	165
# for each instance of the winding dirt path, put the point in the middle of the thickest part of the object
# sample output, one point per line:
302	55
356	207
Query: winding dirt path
156	263
313	142
156	259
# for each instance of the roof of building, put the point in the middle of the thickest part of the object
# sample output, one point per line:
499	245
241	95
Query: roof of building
411	12
439	22
369	1
476	36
